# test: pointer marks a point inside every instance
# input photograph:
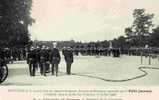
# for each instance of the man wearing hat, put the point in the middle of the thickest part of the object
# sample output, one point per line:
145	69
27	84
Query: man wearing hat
68	55
55	58
31	60
43	59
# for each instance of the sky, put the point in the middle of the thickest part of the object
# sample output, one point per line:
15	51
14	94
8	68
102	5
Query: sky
85	20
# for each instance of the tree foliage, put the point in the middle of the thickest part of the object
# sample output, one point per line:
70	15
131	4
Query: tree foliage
14	21
154	39
139	32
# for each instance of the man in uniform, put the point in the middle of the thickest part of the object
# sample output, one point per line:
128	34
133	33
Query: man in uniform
43	58
48	51
68	55
32	61
55	59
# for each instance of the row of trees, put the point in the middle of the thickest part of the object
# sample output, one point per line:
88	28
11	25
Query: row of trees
140	33
14	21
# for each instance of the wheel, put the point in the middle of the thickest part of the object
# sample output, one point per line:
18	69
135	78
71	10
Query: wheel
3	73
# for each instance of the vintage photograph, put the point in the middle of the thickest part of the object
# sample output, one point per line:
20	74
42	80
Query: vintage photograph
79	43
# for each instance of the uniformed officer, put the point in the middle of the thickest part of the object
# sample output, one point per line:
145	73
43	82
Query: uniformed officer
116	52
31	60
38	49
68	55
43	58
48	51
55	58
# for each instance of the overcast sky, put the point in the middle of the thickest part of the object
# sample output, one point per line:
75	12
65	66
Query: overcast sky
86	20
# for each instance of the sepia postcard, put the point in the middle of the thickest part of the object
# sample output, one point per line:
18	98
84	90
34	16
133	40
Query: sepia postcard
79	49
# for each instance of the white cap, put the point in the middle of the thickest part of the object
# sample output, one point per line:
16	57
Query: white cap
37	47
55	44
43	47
32	48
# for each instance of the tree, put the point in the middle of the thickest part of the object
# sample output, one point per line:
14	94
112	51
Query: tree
142	25
139	32
120	42
129	31
14	21
154	40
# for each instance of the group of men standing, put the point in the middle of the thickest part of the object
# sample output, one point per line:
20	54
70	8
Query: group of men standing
12	54
43	57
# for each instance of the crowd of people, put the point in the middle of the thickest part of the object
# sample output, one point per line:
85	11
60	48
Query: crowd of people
43	57
46	59
12	54
97	51
115	52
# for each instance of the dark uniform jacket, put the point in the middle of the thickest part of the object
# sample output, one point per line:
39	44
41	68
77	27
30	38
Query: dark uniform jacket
68	54
31	57
43	56
55	56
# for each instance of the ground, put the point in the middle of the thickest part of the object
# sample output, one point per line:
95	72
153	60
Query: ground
91	71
